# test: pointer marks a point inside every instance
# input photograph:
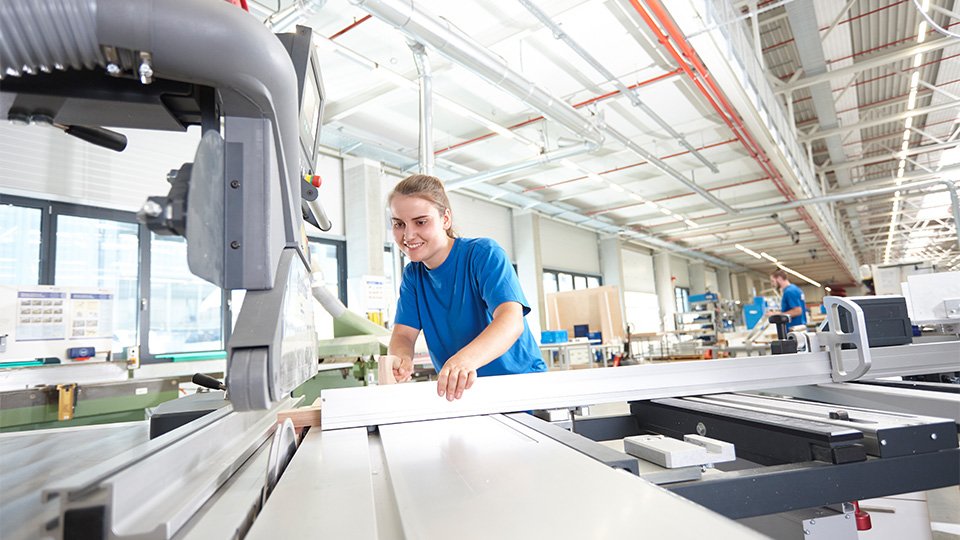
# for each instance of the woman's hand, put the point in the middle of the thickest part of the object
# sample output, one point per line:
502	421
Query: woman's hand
457	375
402	367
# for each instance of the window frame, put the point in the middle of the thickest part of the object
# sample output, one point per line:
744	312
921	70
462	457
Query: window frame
44	276
573	275
341	254
51	210
681	294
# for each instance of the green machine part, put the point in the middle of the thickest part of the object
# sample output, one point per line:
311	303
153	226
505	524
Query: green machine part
84	404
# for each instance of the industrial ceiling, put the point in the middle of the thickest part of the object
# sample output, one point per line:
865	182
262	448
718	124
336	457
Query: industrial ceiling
622	116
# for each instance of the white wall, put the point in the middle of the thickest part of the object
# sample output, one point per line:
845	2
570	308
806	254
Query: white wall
680	269
330	193
641	305
565	247
710	276
474	218
638	272
45	163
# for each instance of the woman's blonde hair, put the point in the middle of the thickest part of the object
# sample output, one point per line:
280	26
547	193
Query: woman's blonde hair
428	188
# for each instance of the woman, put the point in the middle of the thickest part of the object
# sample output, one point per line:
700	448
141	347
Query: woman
461	292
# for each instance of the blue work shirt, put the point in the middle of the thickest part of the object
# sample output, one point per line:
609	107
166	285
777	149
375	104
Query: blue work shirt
793	297
455	301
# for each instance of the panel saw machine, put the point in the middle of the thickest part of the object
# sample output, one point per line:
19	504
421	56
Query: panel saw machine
397	461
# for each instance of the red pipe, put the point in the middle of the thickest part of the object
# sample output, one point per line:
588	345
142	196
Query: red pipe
744	183
625	167
671	197
351	26
740	131
608	95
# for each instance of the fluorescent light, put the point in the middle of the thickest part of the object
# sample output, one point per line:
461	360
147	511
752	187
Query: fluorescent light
905	145
828	289
666	211
691	223
768	257
636	197
908	123
798	274
595	177
922	32
748	251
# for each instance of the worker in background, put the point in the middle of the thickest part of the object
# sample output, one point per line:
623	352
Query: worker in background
462	293
792	301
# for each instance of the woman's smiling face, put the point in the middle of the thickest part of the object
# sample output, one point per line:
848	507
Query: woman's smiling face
420	230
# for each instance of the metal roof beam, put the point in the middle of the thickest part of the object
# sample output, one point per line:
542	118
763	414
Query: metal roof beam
870	63
893	157
880	121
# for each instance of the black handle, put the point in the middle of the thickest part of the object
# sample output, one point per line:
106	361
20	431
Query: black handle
206	381
99	136
780	320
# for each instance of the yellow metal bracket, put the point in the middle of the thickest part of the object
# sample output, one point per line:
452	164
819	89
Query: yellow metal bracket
68	401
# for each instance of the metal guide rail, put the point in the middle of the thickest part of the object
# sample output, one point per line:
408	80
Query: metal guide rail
154	489
355	407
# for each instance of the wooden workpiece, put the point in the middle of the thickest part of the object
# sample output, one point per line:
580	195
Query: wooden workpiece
303	416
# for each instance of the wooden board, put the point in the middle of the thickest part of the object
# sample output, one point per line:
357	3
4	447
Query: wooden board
302	417
598	307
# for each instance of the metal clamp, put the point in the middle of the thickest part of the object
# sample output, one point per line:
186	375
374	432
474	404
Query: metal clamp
834	338
67	402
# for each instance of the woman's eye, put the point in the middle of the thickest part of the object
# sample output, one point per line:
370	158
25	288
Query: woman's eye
421	222
397	225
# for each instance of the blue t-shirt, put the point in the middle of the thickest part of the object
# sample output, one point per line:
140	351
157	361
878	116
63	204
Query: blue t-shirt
455	301
793	297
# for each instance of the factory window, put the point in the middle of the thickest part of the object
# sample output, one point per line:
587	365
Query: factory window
52	243
328	257
682	295
102	254
549	283
186	312
19	244
558	281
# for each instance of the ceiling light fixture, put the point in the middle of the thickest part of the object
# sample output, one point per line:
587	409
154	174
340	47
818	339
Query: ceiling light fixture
748	251
907	125
768	257
798	274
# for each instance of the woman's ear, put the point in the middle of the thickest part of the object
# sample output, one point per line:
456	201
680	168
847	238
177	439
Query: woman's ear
447	219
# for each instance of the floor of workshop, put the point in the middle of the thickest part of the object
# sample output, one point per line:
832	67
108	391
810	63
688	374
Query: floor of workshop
943	504
944	508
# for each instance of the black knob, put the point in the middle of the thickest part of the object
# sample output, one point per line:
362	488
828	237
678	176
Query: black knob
780	320
206	381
